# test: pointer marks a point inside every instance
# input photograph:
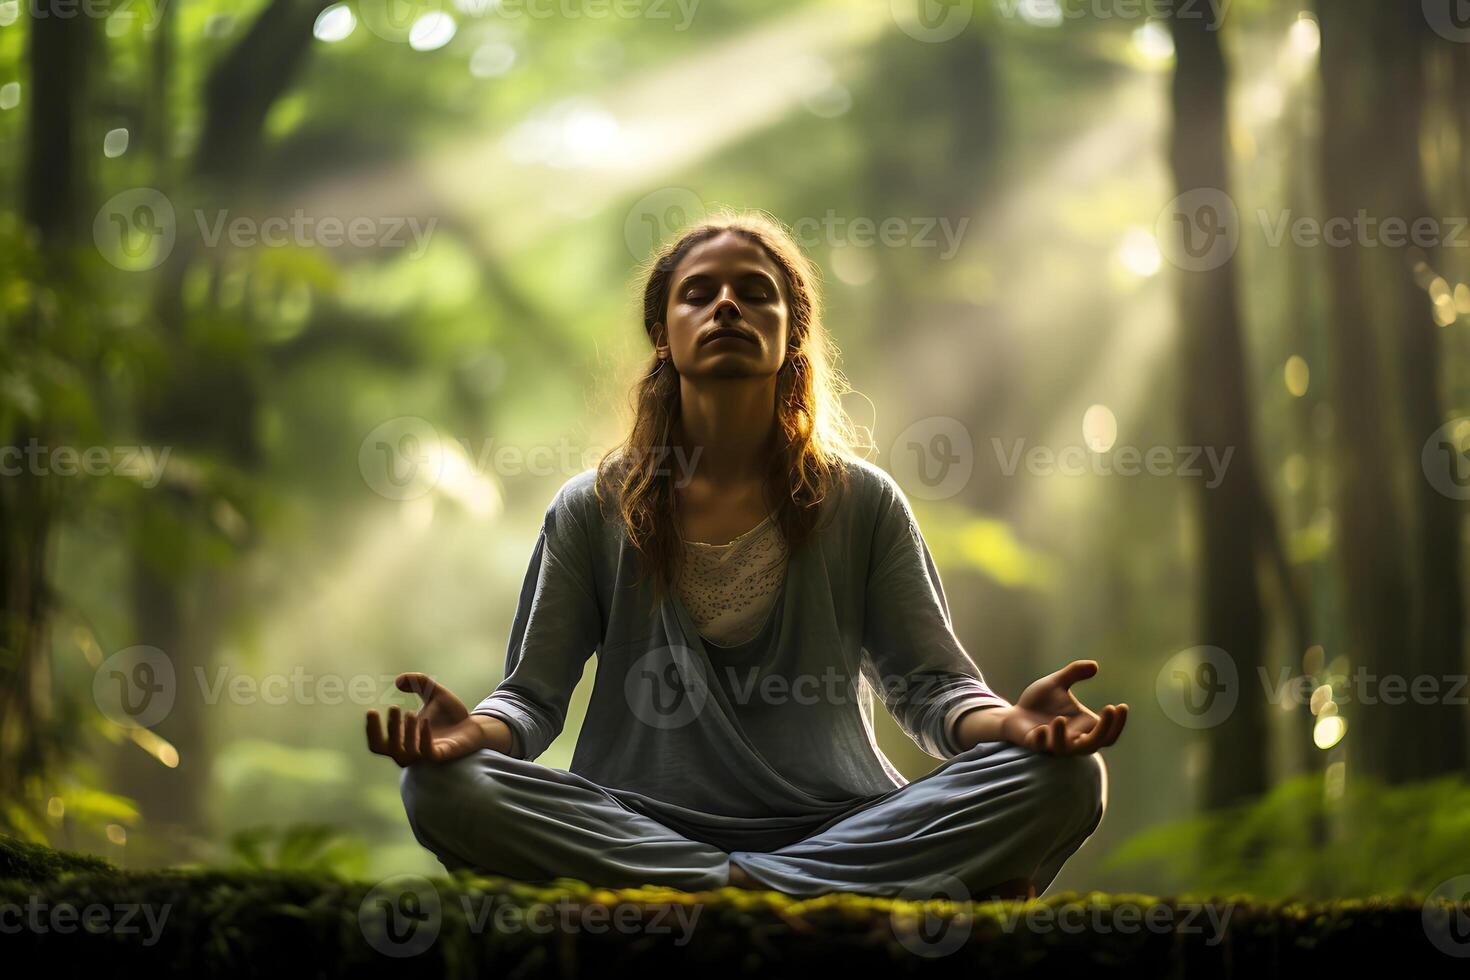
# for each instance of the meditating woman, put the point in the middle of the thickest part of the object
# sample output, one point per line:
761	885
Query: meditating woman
747	583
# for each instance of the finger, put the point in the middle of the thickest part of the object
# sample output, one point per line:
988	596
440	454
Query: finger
1035	739
375	739
1043	735
1122	720
1095	739
395	728
426	740
416	683
1077	670
1087	741
1059	735
411	736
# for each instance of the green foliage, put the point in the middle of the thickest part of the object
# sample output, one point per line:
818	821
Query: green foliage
1298	840
24	861
314	847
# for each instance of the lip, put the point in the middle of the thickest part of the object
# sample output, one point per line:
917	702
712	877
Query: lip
723	333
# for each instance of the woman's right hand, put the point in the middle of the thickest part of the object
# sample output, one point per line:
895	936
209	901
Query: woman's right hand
443	729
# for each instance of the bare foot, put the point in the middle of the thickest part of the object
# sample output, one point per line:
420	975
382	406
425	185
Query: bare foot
740	878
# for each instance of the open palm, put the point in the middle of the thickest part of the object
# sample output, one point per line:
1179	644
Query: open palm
439	731
1049	718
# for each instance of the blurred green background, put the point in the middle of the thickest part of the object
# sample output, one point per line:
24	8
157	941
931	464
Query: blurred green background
259	238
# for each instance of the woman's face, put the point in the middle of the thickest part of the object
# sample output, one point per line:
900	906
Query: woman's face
727	313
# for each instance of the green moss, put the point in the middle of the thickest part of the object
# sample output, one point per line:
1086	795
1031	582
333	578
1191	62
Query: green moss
25	861
260	922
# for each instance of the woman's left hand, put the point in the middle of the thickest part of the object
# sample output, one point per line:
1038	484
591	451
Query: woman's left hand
1049	718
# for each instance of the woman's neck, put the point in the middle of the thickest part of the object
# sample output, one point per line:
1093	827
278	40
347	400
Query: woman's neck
725	426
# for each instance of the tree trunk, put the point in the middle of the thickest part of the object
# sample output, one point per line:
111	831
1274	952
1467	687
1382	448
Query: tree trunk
1234	519
56	207
1431	735
203	402
1370	521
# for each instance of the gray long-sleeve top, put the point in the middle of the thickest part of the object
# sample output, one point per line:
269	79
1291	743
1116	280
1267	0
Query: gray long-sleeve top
747	747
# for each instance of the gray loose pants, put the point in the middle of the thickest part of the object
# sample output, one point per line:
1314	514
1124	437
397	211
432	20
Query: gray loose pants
993	813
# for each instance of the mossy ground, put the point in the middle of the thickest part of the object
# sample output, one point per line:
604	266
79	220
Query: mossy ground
262	923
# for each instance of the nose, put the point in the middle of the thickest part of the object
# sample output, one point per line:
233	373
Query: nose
727	308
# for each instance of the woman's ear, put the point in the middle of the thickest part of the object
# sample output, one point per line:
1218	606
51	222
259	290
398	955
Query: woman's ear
660	345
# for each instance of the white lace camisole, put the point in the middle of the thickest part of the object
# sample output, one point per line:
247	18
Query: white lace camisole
729	589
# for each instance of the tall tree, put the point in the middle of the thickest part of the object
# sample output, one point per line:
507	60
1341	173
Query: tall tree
1402	567
57	209
202	398
1234	518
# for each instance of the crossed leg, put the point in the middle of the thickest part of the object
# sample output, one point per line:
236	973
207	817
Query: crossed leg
493	813
999	819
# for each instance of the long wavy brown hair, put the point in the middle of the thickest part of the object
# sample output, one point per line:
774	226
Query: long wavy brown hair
813	432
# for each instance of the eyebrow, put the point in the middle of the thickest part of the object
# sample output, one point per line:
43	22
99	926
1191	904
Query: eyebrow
699	277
